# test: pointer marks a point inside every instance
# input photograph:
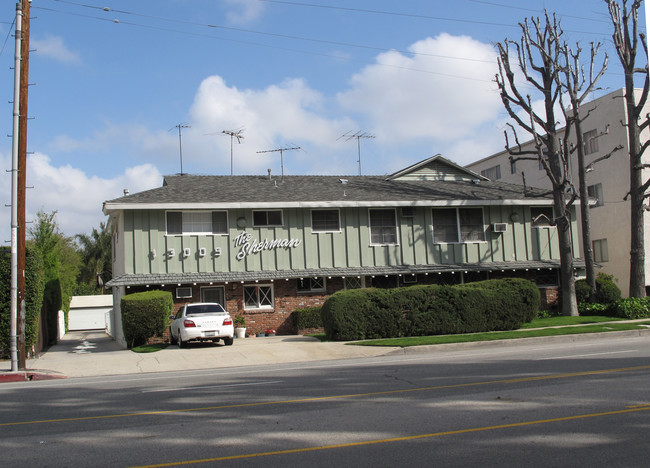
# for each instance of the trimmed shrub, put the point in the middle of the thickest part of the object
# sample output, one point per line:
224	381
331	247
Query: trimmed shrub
429	310
631	308
145	315
606	289
308	317
582	291
34	287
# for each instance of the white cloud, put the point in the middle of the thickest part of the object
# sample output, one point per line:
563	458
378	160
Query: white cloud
53	47
427	96
285	114
244	11
76	196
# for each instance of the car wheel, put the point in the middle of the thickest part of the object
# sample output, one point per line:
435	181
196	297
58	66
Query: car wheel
227	340
172	340
180	340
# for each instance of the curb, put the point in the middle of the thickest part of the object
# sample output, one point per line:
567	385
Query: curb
28	376
513	341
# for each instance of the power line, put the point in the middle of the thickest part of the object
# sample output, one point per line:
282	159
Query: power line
263	33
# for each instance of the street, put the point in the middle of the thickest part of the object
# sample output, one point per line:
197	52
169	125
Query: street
542	404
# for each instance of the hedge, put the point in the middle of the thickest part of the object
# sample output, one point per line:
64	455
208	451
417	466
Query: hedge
145	315
429	310
307	317
606	289
34	287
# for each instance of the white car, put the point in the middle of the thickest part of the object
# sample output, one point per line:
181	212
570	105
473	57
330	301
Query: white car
205	321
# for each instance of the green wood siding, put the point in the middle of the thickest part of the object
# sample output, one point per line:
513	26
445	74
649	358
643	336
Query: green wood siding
145	232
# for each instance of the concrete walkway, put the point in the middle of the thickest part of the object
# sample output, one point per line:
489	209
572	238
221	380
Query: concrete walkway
93	353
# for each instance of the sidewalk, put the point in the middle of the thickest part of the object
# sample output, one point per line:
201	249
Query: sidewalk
93	353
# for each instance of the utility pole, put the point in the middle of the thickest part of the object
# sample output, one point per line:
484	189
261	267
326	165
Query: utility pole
180	141
233	134
22	179
358	136
281	150
13	320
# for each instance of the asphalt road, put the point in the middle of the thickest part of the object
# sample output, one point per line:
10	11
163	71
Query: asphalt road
573	404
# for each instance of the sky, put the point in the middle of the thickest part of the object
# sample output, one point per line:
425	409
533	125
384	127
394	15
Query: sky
113	82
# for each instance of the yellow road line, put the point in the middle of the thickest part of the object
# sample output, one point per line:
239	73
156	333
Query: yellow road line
400	439
335	397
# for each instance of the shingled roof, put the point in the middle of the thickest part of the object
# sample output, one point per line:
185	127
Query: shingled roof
402	188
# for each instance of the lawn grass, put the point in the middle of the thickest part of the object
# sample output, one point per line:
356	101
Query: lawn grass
149	348
593	327
564	321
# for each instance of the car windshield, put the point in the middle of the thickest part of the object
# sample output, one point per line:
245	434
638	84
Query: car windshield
205	309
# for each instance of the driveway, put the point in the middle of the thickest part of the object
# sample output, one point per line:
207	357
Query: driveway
93	353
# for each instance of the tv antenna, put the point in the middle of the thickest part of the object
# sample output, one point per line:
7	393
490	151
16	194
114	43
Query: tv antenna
281	151
358	136
180	128
233	134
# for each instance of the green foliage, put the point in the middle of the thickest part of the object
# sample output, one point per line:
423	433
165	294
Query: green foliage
239	321
631	308
582	291
429	310
34	286
308	317
60	259
96	255
145	315
606	289
586	309
52	303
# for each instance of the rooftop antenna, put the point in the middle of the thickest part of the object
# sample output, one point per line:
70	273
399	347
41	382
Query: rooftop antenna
233	134
281	150
180	127
358	135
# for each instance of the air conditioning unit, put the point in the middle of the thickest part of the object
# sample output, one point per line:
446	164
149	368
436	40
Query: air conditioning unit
499	227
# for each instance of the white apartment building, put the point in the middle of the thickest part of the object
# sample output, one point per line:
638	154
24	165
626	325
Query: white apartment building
608	183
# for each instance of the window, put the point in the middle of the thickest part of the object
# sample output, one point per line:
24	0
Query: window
458	225
258	297
596	191
325	221
214	294
311	284
542	216
197	222
513	166
543	158
184	292
267	218
600	250
590	140
492	173
383	227
354	283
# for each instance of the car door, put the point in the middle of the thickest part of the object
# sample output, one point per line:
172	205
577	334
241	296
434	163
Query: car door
176	323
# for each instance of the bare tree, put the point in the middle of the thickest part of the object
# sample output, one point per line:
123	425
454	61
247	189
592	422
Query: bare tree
538	57
578	86
626	40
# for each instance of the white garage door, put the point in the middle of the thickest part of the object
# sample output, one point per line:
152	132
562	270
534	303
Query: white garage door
88	318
